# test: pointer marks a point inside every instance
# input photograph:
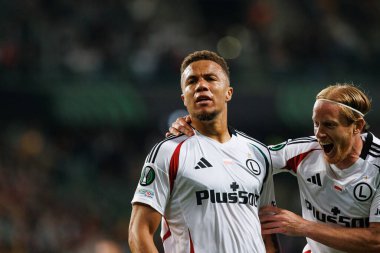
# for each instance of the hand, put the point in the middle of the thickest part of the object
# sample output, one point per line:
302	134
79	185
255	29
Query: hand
276	220
181	126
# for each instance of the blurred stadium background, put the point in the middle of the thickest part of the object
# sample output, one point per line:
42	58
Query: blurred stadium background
87	88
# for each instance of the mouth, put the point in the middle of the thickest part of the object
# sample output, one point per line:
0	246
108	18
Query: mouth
202	99
327	147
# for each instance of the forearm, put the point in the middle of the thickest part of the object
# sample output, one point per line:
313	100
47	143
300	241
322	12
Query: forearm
141	244
345	239
143	224
277	220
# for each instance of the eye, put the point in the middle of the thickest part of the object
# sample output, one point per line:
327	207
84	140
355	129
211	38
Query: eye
210	78
329	125
191	80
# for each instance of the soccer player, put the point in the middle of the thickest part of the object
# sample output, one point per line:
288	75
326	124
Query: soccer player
338	177
205	189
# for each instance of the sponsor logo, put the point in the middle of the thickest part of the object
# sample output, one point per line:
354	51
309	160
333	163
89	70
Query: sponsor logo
146	193
203	163
362	192
253	166
147	176
316	179
336	218
238	197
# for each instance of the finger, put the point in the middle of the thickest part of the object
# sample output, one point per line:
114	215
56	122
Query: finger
187	130
269	209
270	231
178	128
271	225
269	221
182	121
188	119
176	125
183	127
174	131
266	218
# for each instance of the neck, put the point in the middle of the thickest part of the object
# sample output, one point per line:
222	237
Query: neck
216	129
354	155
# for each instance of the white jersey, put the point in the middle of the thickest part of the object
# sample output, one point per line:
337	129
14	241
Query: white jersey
208	192
349	198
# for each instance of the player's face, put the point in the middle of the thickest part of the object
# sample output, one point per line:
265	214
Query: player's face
334	133
205	89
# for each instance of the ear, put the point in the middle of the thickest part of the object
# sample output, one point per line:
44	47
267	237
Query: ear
229	93
359	126
183	99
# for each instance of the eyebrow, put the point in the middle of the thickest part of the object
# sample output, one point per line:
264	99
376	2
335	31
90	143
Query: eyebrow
191	77
203	75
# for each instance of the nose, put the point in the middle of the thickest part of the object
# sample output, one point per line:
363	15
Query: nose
202	85
318	132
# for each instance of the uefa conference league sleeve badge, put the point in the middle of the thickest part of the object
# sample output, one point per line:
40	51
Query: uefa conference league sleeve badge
147	176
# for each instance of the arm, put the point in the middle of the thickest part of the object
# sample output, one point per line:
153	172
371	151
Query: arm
144	222
181	126
277	220
272	244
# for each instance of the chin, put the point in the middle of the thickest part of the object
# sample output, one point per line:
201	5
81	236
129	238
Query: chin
206	116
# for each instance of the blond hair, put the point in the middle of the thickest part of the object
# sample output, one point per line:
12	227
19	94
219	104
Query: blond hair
349	95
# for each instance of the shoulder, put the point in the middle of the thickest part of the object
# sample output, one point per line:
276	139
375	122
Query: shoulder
246	138
256	146
376	140
371	148
294	151
303	143
371	170
165	148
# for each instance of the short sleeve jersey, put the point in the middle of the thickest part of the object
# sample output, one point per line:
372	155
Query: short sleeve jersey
349	198
208	192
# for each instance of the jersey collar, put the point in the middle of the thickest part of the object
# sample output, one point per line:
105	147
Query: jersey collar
368	140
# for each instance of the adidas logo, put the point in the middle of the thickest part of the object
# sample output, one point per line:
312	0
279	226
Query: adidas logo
316	179
203	163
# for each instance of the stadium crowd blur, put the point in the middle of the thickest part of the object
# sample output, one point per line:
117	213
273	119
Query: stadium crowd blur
87	87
